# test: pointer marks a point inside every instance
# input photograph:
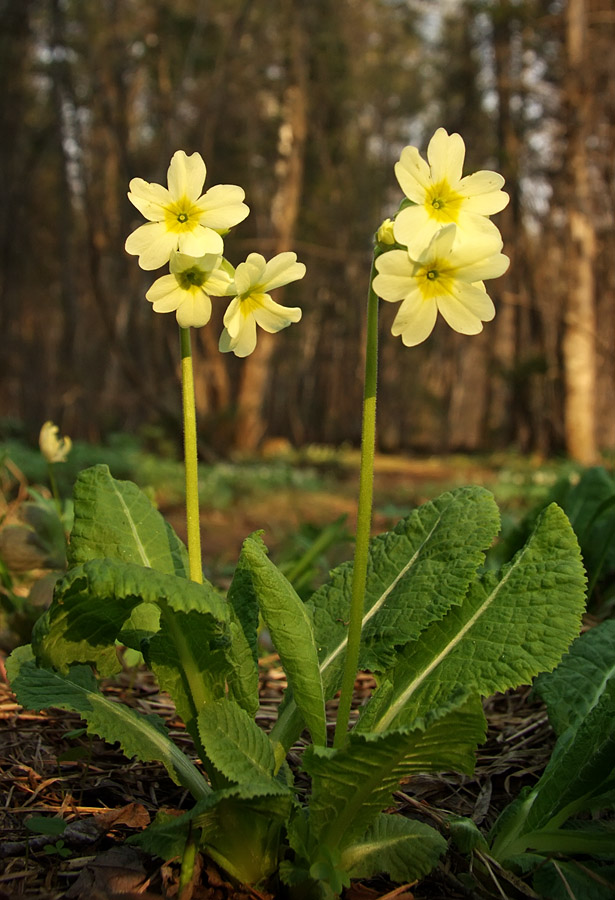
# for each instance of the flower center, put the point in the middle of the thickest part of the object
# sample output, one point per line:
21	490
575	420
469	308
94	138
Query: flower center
250	301
442	202
432	274
190	278
182	216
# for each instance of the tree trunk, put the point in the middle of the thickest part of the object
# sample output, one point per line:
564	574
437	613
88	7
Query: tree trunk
579	344
250	425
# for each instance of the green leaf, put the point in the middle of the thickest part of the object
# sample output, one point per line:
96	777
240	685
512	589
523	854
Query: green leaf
352	785
234	743
572	840
142	736
581	678
465	834
580	769
562	880
243	656
240	829
404	849
189	644
115	519
46	825
92	602
416	573
507	630
291	631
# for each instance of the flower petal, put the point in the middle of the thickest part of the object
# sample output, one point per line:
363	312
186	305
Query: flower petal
477	230
466	308
245	342
218	283
415	319
222	206
165	294
487	204
233	317
414	228
446	153
150	199
152	243
440	246
395	278
412	173
186	175
272	317
199	242
482	269
250	273
195	311
282	269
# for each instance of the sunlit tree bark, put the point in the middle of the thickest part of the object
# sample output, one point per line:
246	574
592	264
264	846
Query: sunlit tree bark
579	344
292	135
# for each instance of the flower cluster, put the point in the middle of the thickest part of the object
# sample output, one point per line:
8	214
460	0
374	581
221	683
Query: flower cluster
446	244
186	229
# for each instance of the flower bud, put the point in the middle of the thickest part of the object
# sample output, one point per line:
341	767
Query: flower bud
55	449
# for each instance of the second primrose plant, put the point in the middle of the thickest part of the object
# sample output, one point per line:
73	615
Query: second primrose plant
416	607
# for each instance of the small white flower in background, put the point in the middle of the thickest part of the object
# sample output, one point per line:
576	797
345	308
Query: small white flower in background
442	196
181	218
55	449
187	290
252	304
444	278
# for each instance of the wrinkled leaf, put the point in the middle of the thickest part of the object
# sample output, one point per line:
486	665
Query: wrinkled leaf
291	630
234	743
115	519
581	678
352	785
507	630
404	849
142	736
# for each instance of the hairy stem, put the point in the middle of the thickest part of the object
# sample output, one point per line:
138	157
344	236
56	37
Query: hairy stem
190	457
364	516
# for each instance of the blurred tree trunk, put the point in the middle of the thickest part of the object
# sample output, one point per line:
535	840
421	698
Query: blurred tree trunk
579	344
250	425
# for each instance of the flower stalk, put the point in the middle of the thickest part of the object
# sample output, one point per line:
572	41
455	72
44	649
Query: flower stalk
364	515
193	524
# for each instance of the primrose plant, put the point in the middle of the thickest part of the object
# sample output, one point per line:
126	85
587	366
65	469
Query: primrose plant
416	606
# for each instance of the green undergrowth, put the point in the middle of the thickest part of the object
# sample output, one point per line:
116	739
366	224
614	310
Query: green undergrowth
518	482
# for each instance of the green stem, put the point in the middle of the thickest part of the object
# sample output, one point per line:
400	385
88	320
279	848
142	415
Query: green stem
53	484
364	516
187	866
191	461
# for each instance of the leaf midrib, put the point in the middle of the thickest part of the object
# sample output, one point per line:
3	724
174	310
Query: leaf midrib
396	706
382	599
139	545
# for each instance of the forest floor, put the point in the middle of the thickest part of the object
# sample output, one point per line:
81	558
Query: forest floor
50	768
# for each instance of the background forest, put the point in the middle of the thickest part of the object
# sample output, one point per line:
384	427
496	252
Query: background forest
307	105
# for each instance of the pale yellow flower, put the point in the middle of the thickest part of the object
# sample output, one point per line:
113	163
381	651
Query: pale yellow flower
181	218
189	287
442	196
55	449
252	304
443	279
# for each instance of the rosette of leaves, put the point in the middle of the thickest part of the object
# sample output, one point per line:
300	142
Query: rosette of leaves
438	632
